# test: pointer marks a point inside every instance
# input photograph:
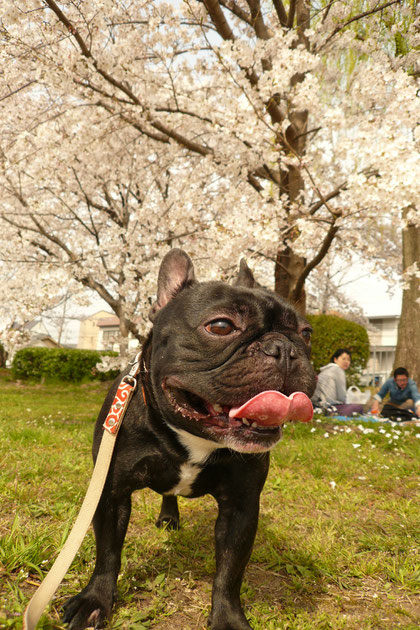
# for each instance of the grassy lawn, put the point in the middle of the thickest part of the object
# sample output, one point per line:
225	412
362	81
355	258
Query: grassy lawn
337	545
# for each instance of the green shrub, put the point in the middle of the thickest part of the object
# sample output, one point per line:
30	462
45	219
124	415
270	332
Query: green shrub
61	364
330	334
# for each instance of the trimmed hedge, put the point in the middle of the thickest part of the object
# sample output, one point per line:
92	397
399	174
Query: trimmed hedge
61	364
330	334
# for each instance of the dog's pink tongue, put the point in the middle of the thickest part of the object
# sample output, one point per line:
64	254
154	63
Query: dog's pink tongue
272	408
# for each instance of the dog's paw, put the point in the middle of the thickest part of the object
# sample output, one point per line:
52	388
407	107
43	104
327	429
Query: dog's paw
169	513
168	521
234	625
229	621
85	611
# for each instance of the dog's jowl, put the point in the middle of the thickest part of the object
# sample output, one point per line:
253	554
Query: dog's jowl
223	368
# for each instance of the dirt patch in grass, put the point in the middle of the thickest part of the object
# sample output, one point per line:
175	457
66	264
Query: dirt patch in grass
391	607
362	607
188	606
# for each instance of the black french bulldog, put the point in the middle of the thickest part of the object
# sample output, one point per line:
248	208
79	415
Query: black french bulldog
223	368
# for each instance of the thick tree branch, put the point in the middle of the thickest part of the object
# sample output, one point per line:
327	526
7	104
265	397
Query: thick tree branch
91	283
89	85
292	13
325	198
281	12
297	291
218	18
254	183
182	140
43	248
231	6
260	28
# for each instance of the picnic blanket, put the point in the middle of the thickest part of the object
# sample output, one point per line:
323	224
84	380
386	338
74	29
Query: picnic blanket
372	418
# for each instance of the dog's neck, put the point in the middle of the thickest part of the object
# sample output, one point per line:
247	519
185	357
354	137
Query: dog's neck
199	449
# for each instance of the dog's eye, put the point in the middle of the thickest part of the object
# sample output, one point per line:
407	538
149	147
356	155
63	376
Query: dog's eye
306	334
220	327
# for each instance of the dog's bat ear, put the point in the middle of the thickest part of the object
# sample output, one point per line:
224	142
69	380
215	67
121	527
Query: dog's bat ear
175	274
245	277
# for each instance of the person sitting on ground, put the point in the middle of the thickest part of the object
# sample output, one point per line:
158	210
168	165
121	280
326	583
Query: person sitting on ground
404	398
331	390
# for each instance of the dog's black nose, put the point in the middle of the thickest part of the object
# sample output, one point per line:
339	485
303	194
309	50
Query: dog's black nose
278	347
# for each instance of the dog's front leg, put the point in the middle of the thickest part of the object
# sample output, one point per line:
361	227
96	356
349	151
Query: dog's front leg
92	606
236	527
169	513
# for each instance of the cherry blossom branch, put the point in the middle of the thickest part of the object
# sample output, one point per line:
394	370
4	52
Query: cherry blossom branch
231	6
358	17
224	30
88	84
327	9
218	18
263	255
19	89
292	12
123	87
325	198
184	112
87	280
108	210
260	28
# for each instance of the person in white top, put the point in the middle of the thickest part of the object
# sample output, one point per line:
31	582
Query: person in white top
331	389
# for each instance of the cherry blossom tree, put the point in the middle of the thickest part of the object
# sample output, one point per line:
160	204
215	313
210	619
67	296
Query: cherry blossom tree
278	130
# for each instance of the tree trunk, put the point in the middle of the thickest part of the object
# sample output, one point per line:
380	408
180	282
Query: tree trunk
407	352
124	332
289	267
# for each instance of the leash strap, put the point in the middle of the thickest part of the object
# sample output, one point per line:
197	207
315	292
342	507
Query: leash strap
54	577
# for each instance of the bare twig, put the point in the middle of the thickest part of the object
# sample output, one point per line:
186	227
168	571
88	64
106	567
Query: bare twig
19	89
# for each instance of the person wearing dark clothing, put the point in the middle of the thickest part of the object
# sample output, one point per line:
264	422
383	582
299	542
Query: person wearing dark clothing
404	397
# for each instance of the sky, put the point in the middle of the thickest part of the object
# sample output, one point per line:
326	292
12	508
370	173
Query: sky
374	296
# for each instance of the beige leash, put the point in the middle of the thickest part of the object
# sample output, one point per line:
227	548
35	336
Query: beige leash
55	576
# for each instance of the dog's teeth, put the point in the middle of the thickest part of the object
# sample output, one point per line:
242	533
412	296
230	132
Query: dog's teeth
218	408
254	425
245	421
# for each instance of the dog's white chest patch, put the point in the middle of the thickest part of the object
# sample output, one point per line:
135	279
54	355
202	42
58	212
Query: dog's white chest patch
188	474
199	450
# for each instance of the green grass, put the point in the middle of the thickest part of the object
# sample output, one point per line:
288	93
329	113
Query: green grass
337	545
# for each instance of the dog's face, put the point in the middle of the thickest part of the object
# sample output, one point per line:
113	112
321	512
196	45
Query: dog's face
216	348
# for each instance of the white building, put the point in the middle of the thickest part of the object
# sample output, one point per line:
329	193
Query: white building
89	331
383	333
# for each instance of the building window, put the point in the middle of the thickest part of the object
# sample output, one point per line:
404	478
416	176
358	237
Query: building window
108	338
